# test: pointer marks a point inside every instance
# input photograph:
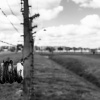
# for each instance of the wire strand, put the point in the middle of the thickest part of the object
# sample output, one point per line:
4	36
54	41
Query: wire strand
11	10
6	43
9	20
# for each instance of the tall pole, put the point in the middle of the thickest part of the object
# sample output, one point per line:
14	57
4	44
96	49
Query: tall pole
27	53
32	94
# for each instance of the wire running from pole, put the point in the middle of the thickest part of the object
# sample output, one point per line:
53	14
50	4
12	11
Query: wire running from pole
10	7
6	43
9	20
11	10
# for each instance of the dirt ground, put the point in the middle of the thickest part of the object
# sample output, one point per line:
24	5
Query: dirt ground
53	82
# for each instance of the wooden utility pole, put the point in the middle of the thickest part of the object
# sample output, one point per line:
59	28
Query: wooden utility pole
27	53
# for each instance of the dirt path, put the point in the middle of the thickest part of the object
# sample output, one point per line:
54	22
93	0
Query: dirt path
53	82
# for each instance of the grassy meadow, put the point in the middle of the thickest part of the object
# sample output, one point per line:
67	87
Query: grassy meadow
86	66
54	80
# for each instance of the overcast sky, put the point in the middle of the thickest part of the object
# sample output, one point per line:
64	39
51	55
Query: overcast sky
67	22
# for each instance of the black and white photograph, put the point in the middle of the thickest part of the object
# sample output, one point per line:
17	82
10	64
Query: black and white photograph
50	50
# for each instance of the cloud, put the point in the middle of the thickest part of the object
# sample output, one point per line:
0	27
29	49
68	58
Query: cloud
45	4
85	34
88	3
50	13
91	21
10	38
48	9
6	25
14	5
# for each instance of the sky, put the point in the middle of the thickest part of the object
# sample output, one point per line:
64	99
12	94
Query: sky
73	23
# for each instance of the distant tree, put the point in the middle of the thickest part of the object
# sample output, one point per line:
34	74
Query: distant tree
60	48
13	49
93	51
74	48
80	48
37	48
67	49
19	47
3	47
50	49
99	48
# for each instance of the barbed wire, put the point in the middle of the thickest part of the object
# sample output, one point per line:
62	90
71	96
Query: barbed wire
25	58
12	10
7	43
9	20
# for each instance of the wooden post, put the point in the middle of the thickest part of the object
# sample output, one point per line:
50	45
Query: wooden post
27	53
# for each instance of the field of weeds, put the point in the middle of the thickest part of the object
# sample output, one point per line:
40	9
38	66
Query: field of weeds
52	82
86	66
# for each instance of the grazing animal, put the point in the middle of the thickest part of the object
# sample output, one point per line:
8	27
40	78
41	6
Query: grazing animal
20	69
10	71
1	71
20	74
15	73
5	73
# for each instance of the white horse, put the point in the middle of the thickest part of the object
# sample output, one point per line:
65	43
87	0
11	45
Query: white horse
20	70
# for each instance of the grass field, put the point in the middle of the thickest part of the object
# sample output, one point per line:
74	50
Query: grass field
86	66
52	81
14	56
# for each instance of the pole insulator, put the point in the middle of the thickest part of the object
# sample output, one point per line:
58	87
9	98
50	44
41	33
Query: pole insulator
29	6
22	35
34	32
34	16
22	23
22	9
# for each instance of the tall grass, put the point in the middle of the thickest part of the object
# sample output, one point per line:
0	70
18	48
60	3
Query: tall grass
77	67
